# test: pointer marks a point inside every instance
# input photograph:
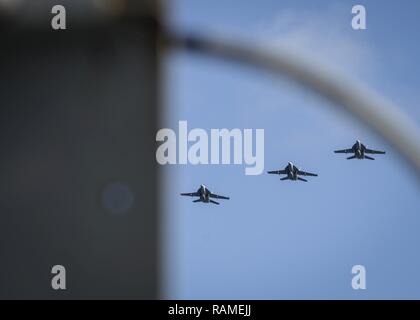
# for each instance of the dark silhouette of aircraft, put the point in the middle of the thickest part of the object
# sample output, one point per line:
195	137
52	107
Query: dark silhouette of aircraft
360	150
205	195
293	173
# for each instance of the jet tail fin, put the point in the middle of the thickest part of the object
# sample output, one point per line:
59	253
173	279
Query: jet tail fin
198	200
301	179
370	158
352	157
285	178
215	202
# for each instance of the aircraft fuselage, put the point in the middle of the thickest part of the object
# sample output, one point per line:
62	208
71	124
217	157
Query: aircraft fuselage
291	171
204	194
359	150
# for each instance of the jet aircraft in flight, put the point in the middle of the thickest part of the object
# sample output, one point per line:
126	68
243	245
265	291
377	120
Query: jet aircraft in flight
359	151
205	195
292	173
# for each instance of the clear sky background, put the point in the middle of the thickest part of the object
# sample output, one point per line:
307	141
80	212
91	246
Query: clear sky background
282	239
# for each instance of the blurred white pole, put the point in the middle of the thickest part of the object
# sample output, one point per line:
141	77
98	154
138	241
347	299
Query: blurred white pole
372	109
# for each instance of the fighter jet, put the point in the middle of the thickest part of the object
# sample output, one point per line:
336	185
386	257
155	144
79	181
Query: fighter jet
360	150
293	173
205	195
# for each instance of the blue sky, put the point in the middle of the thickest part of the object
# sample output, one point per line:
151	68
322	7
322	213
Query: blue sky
281	239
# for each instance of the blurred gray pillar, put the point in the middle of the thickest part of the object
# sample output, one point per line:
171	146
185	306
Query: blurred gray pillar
78	114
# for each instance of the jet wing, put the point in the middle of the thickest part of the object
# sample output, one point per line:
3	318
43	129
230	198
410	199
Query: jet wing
344	151
213	195
277	172
374	151
191	194
304	173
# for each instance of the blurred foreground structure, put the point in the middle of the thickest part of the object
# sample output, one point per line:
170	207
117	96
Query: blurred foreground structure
78	172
